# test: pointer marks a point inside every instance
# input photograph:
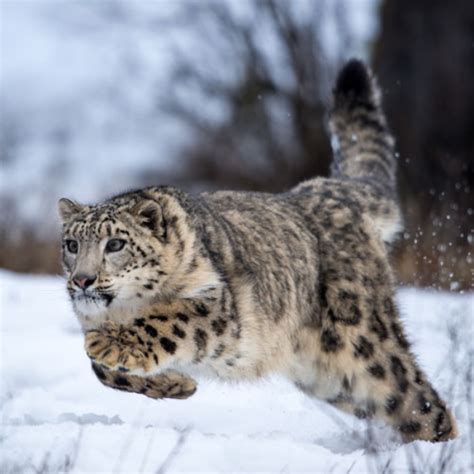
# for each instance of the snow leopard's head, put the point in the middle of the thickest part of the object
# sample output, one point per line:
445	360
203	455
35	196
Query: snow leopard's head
128	252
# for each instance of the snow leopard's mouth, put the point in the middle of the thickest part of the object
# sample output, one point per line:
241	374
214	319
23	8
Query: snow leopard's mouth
91	303
97	298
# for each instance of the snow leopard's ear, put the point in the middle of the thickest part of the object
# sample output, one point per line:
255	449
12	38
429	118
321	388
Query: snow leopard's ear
68	209
148	213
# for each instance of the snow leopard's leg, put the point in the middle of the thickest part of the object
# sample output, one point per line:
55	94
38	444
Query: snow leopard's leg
363	365
164	336
169	384
356	356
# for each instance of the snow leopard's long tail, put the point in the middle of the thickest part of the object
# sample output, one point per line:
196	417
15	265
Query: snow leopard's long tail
362	144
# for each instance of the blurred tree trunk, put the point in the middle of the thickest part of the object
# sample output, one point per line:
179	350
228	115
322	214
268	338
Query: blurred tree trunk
424	58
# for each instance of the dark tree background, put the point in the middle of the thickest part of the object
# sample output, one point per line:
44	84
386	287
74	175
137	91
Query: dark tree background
273	132
424	58
251	87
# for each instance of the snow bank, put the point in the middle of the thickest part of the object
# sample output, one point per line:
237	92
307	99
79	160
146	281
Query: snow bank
57	417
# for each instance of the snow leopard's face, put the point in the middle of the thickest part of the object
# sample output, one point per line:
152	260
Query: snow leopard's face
115	255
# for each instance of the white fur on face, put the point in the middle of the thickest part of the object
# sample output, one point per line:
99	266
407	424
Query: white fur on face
88	305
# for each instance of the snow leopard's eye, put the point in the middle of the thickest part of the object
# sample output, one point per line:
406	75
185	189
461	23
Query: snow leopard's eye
72	245
114	245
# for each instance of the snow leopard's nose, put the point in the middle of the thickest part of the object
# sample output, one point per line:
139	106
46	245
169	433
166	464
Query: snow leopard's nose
84	281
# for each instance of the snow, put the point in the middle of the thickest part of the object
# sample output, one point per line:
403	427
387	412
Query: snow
57	417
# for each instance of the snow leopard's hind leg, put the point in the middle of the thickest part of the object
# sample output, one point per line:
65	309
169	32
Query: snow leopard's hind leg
368	371
356	355
169	384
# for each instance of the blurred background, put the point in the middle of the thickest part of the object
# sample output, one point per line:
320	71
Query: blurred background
100	97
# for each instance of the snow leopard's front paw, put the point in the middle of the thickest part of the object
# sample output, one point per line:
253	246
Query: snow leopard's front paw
117	348
168	384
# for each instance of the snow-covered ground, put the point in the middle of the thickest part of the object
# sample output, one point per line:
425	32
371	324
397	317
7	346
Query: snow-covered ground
57	417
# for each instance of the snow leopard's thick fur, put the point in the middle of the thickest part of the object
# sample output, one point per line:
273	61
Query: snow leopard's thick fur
239	285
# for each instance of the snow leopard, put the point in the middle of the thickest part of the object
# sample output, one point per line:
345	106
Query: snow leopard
169	286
